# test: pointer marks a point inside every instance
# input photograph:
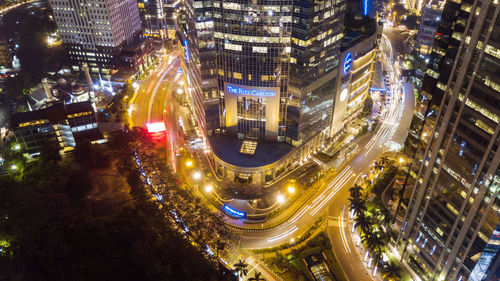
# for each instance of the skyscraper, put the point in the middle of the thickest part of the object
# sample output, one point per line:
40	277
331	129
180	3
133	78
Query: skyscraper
454	205
153	18
430	15
270	80
94	31
158	18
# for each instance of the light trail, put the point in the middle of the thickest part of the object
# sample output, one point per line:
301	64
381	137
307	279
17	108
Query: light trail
343	236
156	89
339	181
283	235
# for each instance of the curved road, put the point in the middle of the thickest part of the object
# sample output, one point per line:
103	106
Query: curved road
331	199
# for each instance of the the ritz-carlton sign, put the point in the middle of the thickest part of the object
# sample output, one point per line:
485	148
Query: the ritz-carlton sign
250	92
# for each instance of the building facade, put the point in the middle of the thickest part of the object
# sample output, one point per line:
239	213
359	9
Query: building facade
158	18
94	31
267	75
64	125
453	207
358	61
430	15
270	77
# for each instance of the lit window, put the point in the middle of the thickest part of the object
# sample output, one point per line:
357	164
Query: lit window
233	47
257	49
237	75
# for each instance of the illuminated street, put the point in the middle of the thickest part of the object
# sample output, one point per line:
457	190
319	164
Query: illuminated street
157	91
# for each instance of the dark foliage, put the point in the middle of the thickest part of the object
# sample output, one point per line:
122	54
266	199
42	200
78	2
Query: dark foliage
51	234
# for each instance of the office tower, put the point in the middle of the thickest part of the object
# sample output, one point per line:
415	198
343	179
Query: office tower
94	31
153	18
430	15
272	76
454	204
270	81
158	18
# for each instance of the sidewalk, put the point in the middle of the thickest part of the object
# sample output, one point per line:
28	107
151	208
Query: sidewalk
361	253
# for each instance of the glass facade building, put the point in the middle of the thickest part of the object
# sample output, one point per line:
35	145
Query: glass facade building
268	67
454	204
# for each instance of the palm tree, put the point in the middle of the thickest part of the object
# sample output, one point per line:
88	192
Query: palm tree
378	166
392	271
355	191
363	222
241	268
386	218
357	205
373	243
256	277
384	161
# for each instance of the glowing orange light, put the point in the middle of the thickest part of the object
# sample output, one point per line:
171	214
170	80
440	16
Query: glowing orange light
156	127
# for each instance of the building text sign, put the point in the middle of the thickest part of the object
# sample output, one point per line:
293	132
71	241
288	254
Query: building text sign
250	92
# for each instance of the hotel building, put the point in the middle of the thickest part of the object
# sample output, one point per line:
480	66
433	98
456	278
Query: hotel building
94	31
453	209
269	76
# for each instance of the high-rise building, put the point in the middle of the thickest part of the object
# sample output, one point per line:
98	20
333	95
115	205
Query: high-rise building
430	16
158	18
270	80
153	18
94	31
453	207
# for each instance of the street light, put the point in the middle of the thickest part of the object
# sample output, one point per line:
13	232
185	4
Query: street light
280	198
17	147
189	163
197	175
401	160
291	189
13	167
209	188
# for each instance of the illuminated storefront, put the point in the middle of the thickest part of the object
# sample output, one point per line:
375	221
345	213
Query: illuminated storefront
354	79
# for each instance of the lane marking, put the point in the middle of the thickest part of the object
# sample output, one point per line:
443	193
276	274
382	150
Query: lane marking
343	235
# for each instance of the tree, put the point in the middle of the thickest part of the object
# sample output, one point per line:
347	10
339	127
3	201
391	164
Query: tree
384	161
386	219
375	241
256	277
358	205
241	268
392	271
378	166
363	222
355	191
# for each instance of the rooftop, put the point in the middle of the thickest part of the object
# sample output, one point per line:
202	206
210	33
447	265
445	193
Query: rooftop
227	148
54	113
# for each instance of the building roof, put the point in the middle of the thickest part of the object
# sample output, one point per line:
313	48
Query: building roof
55	113
227	148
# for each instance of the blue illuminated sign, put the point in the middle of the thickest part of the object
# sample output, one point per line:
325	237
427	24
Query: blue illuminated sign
365	7
250	92
347	63
234	213
378	89
186	49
